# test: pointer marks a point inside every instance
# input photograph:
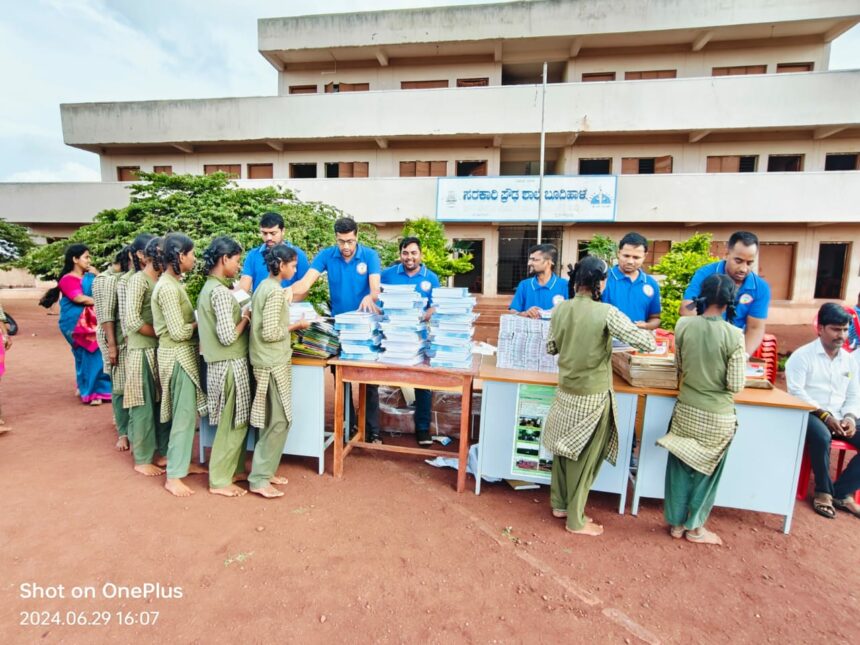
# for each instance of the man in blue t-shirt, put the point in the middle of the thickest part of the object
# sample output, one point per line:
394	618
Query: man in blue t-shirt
254	269
753	295
411	270
353	272
544	290
629	288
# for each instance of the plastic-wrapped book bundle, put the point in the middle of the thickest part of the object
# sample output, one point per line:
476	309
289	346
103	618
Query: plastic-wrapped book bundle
403	328
452	327
359	334
522	344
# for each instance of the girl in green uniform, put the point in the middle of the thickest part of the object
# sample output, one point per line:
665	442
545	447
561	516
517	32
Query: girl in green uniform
271	355
709	354
580	428
182	396
223	329
146	433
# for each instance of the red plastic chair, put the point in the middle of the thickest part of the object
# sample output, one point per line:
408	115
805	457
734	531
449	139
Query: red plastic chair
806	468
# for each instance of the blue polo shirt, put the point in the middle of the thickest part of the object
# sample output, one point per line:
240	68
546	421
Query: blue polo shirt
425	280
255	267
637	299
752	299
348	282
530	293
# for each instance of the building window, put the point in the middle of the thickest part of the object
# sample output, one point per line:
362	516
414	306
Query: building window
331	88
472	82
127	173
303	171
644	76
342	169
646	165
830	278
260	171
595	166
776	265
303	89
472	168
423	168
732	163
739	70
514	245
234	170
785	68
163	170
656	250
842	161
598	76
422	85
785	163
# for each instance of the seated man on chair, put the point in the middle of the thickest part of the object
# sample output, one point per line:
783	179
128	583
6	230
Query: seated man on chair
824	375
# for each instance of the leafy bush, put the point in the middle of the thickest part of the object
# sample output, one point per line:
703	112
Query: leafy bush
603	247
438	255
678	267
203	207
15	242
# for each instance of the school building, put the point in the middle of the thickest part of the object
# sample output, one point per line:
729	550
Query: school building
662	117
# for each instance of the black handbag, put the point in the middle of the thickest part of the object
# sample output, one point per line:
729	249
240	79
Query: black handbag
11	325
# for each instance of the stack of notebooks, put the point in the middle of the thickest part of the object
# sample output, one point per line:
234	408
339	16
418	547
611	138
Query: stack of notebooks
452	327
404	332
299	310
359	335
522	344
318	341
646	370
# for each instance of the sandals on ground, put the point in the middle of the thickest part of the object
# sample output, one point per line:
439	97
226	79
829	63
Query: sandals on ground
823	505
847	504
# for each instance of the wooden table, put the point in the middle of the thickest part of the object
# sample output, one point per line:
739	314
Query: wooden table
418	376
499	423
307	436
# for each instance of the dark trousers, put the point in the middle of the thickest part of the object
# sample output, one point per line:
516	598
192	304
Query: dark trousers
423	403
818	440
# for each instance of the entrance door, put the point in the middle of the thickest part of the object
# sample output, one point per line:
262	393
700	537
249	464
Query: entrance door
514	245
474	279
776	266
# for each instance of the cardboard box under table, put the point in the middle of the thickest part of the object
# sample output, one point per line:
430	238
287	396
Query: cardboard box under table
307	437
348	373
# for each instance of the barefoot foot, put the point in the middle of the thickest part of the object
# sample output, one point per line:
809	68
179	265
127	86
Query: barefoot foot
161	462
150	470
677	532
177	487
197	469
241	477
590	529
279	481
702	535
268	492
121	444
228	491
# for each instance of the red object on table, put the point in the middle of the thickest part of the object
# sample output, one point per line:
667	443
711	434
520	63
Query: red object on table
767	352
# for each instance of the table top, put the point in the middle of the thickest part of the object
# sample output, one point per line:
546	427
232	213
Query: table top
423	367
749	396
309	362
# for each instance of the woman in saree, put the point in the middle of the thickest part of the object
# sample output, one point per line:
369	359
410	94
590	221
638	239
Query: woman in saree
78	324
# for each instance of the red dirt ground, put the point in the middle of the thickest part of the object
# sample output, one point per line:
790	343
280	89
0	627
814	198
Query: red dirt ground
390	553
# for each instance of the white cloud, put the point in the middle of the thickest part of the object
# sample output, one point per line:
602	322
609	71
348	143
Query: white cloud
69	171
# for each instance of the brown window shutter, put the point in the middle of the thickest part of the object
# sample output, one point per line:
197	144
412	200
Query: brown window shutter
164	170
344	169
407	168
329	88
473	82
783	68
714	164
422	168
438	168
731	163
260	171
667	73
598	76
422	85
481	169
303	89
630	166
354	87
632	76
663	165
720	71
127	173
360	169
756	69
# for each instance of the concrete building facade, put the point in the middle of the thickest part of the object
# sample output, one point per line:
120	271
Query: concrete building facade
714	116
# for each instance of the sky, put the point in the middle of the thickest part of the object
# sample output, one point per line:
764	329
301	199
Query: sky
68	51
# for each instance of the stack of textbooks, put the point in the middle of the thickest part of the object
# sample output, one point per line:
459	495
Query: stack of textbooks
317	341
299	310
359	334
404	331
522	344
451	328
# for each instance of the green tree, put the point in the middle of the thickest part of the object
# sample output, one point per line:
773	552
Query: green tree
202	207
439	256
603	247
15	243
678	267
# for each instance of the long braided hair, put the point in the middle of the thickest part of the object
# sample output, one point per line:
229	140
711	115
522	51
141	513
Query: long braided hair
175	244
153	253
218	248
139	244
589	272
718	290
123	258
274	256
